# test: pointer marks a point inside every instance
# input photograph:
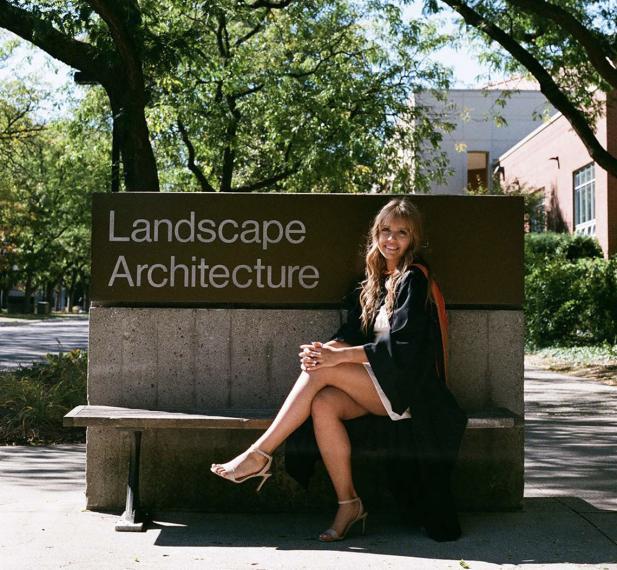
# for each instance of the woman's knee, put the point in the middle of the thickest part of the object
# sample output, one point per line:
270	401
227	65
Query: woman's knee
317	377
326	402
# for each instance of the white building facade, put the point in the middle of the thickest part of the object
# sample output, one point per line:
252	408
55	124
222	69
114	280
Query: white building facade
487	122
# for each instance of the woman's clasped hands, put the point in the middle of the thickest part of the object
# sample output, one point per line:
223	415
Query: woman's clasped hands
318	355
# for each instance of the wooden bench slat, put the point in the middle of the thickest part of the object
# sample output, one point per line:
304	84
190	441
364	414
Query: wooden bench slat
136	419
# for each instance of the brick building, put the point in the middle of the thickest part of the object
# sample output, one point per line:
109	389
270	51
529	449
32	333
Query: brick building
578	195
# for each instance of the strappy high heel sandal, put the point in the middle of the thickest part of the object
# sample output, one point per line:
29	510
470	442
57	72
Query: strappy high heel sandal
331	535
264	472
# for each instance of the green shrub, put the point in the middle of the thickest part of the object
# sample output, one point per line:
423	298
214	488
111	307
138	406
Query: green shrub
570	303
581	247
540	248
33	400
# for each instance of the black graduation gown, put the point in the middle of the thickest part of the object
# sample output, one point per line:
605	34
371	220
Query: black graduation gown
419	453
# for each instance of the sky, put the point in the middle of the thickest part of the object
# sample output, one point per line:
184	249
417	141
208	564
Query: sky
469	72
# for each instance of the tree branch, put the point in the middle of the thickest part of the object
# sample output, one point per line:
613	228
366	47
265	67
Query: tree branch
74	53
252	32
269	4
267	181
192	166
229	152
122	18
221	35
248	91
547	85
590	42
331	55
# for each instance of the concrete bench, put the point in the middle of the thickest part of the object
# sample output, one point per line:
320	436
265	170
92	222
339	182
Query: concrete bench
136	421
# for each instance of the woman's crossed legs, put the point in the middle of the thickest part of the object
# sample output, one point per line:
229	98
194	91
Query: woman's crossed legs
330	395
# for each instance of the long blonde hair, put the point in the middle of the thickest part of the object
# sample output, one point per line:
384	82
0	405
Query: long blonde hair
376	268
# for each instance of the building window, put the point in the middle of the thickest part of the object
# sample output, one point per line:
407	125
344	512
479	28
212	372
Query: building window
585	201
477	170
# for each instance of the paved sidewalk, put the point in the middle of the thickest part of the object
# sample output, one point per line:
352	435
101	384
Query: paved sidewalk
569	519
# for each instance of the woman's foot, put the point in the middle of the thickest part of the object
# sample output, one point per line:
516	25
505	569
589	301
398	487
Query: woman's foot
349	512
252	463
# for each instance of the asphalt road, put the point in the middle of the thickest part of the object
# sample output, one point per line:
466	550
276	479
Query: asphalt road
23	342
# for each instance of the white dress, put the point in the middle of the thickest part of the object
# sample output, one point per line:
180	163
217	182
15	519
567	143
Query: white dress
382	324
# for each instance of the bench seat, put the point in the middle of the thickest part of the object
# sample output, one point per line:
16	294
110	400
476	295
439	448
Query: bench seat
136	421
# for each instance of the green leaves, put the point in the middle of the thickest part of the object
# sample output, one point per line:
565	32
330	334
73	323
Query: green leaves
570	290
315	91
568	46
34	400
48	177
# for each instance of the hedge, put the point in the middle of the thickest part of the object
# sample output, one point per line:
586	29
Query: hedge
570	292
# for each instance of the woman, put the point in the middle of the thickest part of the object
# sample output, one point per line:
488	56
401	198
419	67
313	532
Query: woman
386	361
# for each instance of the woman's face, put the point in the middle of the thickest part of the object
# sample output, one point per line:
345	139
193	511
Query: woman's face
393	240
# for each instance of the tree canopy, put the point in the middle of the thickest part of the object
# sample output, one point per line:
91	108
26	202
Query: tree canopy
260	95
44	194
267	94
297	100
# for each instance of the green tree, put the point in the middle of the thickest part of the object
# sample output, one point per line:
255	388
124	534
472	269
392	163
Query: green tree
45	201
298	100
106	42
262	94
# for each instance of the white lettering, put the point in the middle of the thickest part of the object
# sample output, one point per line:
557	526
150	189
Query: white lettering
219	272
137	230
266	237
166	222
173	269
225	223
289	230
151	281
140	270
191	226
202	228
112	223
313	274
291	269
234	277
193	271
198	274
202	272
121	262
250	227
281	283
259	267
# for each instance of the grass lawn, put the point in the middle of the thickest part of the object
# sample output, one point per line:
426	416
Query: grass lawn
596	362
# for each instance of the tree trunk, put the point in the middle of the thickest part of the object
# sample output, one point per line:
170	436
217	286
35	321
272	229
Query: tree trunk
28	293
133	140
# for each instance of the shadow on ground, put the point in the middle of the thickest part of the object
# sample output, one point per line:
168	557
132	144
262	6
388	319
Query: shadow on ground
546	531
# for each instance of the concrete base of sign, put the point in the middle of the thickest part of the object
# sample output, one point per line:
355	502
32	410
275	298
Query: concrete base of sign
191	359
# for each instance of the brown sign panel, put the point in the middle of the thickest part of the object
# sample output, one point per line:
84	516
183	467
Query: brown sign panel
151	248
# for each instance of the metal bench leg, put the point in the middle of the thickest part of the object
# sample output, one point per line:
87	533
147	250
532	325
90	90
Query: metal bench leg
128	520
